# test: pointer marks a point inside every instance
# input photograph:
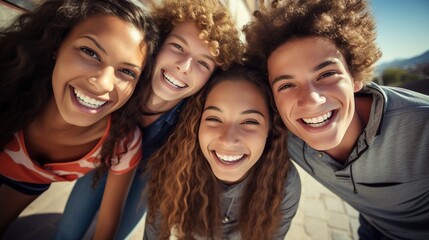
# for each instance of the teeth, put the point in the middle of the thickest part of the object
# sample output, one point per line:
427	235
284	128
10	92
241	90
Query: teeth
318	121
173	80
87	101
231	158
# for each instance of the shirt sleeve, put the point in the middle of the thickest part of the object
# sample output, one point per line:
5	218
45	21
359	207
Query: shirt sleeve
290	202
127	161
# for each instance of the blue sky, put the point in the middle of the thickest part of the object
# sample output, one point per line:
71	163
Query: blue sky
402	27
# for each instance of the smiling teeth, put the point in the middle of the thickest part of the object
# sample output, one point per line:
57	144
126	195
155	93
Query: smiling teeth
227	158
173	80
87	101
318	121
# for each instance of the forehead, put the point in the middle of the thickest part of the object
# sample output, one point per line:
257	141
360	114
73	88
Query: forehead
236	93
120	40
186	28
316	46
300	53
106	25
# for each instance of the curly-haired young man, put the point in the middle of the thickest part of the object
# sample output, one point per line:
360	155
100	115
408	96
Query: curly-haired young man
367	143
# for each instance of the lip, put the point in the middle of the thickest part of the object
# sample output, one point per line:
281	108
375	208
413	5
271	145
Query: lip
86	109
169	84
228	165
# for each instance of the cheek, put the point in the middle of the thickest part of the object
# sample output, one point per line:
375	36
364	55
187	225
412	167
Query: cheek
202	139
125	89
125	86
258	141
282	108
200	80
258	148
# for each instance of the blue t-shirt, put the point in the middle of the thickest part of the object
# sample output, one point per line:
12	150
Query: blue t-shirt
157	133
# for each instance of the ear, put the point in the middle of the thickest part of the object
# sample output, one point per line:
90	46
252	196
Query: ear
357	86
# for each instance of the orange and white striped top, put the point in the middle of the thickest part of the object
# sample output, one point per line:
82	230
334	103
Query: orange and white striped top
16	164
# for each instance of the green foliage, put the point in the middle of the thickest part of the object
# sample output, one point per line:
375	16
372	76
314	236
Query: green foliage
397	77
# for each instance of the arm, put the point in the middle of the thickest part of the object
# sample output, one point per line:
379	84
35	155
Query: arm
290	202
112	204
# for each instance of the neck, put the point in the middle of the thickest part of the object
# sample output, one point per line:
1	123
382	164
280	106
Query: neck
154	105
358	124
153	108
50	120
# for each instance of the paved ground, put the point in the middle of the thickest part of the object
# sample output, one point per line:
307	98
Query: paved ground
321	215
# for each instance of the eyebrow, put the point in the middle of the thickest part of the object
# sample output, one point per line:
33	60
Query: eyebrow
104	50
96	44
315	69
325	64
251	111
183	40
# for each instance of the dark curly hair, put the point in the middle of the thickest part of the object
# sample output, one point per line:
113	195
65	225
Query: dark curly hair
347	23
184	191
26	62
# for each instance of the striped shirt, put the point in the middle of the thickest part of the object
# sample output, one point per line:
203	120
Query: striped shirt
16	164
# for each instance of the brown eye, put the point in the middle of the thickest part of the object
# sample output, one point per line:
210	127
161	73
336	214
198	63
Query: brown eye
213	119
177	46
90	52
252	122
326	74
285	86
129	73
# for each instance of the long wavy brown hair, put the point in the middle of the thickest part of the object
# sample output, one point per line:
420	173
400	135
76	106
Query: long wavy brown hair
185	194
347	23
26	63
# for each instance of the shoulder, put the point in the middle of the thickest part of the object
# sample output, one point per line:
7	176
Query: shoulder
293	183
397	98
129	153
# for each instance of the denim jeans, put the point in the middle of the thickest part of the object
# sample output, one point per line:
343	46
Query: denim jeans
367	232
84	202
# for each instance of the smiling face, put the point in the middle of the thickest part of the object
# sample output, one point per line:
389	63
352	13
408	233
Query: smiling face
96	69
314	93
233	129
183	64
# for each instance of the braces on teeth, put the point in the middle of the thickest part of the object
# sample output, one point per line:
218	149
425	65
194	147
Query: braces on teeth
87	101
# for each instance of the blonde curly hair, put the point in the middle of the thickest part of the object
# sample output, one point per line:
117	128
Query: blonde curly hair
347	23
217	26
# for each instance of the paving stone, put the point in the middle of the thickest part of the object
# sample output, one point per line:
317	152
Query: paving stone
333	203
299	217
338	221
354	225
340	235
297	232
314	208
317	229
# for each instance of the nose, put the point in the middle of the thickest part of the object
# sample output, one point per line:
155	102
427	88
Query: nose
311	96
229	135
184	65
103	81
